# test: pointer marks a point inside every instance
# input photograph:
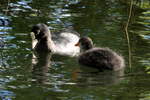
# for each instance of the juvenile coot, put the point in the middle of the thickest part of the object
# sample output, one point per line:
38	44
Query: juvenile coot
59	42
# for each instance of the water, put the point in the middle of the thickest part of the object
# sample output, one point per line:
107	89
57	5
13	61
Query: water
57	77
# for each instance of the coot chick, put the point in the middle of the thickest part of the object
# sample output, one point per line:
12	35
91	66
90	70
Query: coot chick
101	58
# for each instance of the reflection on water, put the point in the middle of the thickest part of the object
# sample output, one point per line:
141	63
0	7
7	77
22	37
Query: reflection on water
94	79
40	66
6	95
26	75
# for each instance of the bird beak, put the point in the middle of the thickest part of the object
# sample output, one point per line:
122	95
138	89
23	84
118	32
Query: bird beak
32	35
77	44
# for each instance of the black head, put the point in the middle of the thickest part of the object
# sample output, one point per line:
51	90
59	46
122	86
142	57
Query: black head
40	31
85	43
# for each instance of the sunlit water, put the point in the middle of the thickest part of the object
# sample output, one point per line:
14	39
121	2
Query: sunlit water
53	77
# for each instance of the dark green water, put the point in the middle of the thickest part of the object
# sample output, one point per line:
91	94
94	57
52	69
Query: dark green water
62	78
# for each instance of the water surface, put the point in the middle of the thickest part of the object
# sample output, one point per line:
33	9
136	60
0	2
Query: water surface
58	77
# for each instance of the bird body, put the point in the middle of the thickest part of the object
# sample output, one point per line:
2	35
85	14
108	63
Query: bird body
58	42
101	58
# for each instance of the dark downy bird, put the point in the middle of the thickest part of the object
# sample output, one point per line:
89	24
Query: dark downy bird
101	58
59	42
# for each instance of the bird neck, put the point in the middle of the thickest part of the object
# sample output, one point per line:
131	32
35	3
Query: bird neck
86	47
